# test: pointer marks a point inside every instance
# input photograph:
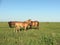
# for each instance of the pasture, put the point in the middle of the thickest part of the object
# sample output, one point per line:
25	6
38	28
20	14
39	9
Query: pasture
48	34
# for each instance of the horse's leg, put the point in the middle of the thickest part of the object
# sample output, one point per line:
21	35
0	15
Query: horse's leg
38	27
18	29
25	28
14	29
30	26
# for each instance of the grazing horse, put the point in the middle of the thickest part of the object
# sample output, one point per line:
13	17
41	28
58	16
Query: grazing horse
19	25
11	24
33	24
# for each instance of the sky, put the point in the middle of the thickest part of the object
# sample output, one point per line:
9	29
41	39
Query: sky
21	10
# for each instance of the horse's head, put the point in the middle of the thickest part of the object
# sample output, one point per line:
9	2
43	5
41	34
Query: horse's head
29	21
11	24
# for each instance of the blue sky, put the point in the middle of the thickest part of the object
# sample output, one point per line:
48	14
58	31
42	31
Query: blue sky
20	10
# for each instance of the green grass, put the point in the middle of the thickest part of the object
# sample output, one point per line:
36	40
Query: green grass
48	34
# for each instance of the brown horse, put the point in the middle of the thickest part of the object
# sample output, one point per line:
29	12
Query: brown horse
19	25
33	24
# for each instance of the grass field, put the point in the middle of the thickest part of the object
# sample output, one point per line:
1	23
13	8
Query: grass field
48	34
